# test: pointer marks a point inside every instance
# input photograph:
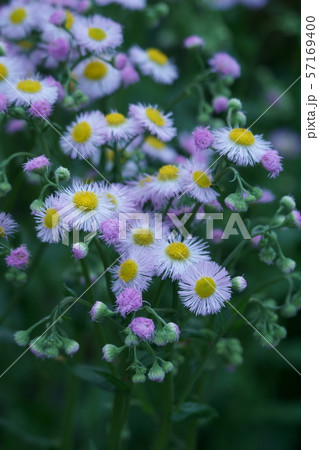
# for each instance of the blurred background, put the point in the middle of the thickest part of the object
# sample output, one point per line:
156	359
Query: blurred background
255	405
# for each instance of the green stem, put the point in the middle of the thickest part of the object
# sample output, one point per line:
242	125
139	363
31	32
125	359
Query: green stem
106	266
119	415
163	436
234	252
68	420
158	294
16	155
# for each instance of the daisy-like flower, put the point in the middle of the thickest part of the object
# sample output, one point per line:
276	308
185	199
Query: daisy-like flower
50	224
18	19
240	145
205	287
97	34
120	127
128	301
26	91
197	182
141	234
119	197
166	184
155	63
8	226
174	255
83	137
157	149
11	67
86	206
97	78
143	328
153	120
135	270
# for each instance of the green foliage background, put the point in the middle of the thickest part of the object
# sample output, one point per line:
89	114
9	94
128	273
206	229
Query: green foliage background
44	403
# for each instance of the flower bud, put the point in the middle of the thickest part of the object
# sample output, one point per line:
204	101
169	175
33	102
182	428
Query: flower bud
22	337
99	312
267	255
286	265
18	112
289	310
235	104
68	101
293	219
138	378
167	366
257	193
239	284
235	202
5	188
156	373
171	332
238	119
62	174
160	337
70	346
80	250
36	205
131	339
110	352
288	202
279	220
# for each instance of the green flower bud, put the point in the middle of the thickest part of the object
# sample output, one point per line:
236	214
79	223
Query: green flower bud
288	202
238	119
257	193
279	219
160	337
293	219
131	340
68	101
5	188
70	346
267	255
235	104
239	284
203	117
62	174
167	366
286	265
37	205
138	378
100	311
111	352
22	337
235	202
18	112
289	310
156	373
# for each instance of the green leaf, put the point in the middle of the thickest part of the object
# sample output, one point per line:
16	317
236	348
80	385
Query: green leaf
192	410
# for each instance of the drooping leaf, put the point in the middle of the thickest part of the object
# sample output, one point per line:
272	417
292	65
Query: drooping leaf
192	410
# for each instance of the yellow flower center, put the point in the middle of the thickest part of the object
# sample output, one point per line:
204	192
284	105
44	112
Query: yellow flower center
97	34
154	142
128	270
85	200
29	86
177	251
2	232
115	119
51	218
242	136
168	173
201	179
155	116
145	180
95	70
112	199
18	15
143	237
81	132
3	71
157	56
205	287
69	21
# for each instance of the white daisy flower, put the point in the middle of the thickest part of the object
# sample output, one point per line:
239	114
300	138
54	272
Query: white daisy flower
166	184
97	34
157	149
142	233
120	127
8	226
84	135
240	145
205	287
25	91
141	191
50	224
135	270
155	63
11	68
153	120
18	19
197	182
120	197
97	78
86	206
173	256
